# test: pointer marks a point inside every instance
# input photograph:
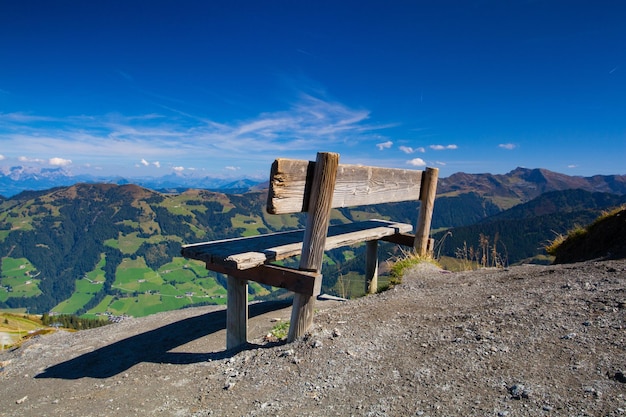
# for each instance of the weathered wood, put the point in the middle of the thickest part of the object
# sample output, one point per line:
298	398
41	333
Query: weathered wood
249	252
318	218
371	267
356	185
315	188
236	312
304	282
427	198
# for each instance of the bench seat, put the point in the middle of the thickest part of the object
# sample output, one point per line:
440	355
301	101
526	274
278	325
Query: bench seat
253	251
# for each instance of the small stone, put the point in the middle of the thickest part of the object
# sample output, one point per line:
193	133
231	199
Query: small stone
317	344
229	385
590	390
21	400
336	333
289	352
519	391
569	336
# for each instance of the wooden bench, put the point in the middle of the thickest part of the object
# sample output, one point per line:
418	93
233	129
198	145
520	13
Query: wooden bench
315	188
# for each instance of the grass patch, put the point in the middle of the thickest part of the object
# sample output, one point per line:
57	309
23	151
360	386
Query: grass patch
406	261
19	279
280	330
251	224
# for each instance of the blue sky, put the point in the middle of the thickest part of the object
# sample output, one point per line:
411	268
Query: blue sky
221	88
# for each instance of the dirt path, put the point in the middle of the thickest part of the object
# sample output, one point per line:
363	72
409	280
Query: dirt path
530	340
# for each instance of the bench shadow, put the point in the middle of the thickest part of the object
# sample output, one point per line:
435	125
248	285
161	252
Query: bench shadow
155	346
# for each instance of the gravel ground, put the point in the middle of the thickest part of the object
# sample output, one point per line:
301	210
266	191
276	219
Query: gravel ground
523	341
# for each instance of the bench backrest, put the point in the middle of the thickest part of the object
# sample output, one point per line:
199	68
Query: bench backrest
355	185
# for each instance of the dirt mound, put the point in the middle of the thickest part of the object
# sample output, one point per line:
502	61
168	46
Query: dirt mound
529	340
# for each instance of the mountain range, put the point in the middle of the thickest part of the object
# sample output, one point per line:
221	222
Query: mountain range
14	180
105	248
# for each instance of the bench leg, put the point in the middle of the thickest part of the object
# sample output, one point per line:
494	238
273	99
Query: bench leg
301	316
236	313
371	267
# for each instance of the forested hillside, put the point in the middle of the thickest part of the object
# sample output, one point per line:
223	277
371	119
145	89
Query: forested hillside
522	232
114	249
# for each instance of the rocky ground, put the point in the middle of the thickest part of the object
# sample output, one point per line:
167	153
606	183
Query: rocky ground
523	341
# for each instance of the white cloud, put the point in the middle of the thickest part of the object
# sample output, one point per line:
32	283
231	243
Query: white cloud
59	162
409	150
231	168
384	145
30	160
144	162
443	147
508	146
179	169
157	164
440	163
572	166
2	157
417	162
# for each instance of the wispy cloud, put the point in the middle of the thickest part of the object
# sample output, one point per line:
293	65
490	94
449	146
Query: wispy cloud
2	157
384	145
308	125
571	166
508	146
410	150
30	160
443	147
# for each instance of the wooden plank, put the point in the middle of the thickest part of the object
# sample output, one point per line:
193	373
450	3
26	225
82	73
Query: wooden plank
303	282
248	252
236	312
427	198
318	218
356	185
371	267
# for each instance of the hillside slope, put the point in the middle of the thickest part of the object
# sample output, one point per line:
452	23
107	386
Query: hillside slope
529	340
605	238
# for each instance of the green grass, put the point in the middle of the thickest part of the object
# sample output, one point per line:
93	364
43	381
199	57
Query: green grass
280	222
84	290
281	330
72	304
251	224
21	276
130	273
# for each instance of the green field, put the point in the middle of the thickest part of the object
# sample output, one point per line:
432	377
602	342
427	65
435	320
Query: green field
85	289
18	279
143	291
